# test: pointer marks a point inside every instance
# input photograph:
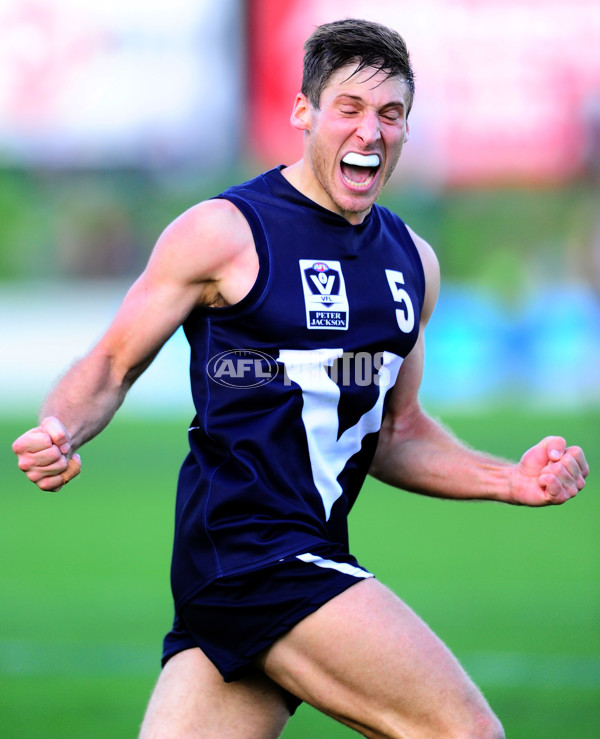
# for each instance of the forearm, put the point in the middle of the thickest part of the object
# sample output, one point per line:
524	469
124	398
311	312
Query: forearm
87	397
420	455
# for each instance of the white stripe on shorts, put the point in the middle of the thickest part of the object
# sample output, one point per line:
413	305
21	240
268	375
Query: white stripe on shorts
344	567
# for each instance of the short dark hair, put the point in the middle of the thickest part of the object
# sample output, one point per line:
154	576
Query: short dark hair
368	44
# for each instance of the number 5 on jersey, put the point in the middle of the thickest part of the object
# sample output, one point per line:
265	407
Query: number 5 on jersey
405	315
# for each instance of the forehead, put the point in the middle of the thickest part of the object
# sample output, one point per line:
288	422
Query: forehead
369	84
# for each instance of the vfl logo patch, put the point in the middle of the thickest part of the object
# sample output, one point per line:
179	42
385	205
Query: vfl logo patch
325	296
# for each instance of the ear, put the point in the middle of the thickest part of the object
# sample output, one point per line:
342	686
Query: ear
301	117
407	133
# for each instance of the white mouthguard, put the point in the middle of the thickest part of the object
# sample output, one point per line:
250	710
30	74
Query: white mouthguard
361	160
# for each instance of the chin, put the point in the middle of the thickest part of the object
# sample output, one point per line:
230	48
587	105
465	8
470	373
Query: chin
357	203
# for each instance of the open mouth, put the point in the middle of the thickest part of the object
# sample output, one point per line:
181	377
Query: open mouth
359	170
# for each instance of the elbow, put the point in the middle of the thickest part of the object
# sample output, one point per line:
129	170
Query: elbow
118	370
398	433
381	463
131	375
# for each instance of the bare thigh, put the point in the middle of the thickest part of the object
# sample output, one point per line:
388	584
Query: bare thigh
369	661
192	701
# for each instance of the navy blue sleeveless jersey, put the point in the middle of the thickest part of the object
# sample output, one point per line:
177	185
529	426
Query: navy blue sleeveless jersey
289	384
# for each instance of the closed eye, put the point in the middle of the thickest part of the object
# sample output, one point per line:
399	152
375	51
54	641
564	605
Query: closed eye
392	116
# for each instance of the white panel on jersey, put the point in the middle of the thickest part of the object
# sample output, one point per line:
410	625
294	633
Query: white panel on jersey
330	564
328	454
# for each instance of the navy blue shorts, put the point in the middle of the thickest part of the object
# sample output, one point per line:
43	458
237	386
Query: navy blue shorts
235	618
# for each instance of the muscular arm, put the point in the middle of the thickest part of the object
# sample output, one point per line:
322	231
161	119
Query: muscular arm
91	391
198	260
418	454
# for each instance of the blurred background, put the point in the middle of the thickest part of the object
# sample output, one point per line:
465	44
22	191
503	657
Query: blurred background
116	116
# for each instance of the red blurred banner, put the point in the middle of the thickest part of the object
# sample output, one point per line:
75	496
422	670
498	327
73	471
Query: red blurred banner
507	90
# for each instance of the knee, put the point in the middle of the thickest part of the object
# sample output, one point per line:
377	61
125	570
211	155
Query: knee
475	719
478	722
484	725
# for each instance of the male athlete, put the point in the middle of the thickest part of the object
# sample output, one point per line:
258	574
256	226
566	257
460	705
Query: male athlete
304	304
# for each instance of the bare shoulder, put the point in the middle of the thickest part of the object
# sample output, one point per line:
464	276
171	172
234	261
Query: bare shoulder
428	256
208	245
431	268
206	235
217	218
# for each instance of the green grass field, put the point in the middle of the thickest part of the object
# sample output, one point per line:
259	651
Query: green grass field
85	596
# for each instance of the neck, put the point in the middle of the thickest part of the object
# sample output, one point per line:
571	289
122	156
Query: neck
301	177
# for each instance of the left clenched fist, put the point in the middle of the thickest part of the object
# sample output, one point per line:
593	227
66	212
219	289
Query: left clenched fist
549	473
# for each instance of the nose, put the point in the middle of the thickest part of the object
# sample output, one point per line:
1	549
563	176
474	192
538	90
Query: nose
369	129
